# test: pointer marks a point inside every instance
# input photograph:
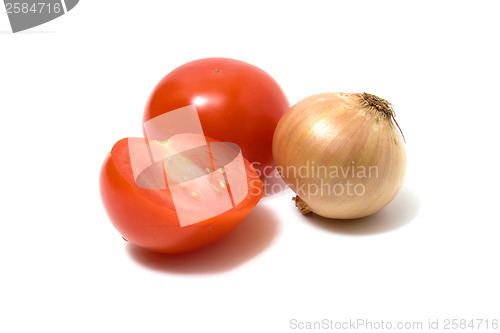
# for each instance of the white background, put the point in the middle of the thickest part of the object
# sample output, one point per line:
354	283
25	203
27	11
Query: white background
71	88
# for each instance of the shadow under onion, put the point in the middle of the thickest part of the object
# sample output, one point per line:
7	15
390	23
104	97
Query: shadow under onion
401	211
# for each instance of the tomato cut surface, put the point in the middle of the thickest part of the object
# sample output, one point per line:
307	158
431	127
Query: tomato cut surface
166	198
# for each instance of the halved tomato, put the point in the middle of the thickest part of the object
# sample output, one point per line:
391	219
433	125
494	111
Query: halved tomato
176	195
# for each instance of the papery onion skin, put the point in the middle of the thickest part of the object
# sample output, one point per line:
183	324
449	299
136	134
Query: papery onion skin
349	150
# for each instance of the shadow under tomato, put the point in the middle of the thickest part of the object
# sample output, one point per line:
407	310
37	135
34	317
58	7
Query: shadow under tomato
401	211
247	241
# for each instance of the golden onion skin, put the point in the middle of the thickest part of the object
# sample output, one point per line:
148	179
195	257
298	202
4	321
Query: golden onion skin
341	153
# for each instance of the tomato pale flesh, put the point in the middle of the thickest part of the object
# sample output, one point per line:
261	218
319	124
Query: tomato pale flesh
177	195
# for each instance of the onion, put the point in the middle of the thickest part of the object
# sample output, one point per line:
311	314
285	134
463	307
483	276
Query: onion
342	154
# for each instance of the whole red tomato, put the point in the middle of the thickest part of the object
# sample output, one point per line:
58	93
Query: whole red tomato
236	102
151	217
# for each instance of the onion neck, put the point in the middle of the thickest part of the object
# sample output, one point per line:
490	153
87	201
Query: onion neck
380	105
377	103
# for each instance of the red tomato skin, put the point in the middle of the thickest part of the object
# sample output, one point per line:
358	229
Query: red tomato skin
236	102
144	222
